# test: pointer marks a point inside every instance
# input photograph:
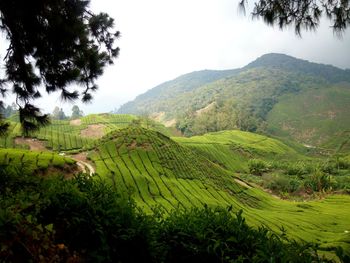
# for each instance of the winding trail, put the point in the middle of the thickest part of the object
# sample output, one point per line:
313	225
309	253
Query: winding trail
83	163
38	145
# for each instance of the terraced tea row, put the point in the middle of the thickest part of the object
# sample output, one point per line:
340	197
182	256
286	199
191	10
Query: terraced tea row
34	161
159	171
63	135
232	149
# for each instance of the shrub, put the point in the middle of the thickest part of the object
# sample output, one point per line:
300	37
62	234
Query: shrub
319	181
284	184
215	235
342	163
257	167
299	168
85	219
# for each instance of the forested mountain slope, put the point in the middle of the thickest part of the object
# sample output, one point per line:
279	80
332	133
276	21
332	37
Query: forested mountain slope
155	99
276	94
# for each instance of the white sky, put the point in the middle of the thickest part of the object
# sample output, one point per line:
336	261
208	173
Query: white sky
162	39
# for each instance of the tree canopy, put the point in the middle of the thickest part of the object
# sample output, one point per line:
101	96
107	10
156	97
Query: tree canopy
52	45
76	112
302	14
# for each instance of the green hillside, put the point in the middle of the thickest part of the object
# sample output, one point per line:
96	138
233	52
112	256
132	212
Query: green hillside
276	94
35	162
233	149
76	135
314	116
214	169
286	169
158	171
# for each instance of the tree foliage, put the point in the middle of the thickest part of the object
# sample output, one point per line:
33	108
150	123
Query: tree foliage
58	114
76	112
302	14
53	44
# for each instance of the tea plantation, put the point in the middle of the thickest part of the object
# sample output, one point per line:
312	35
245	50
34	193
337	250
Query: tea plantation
157	171
163	173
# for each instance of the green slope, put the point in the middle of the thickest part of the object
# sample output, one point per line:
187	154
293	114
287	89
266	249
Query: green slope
157	171
314	116
65	135
232	149
34	162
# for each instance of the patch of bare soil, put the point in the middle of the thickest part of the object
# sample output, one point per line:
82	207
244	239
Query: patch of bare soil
242	183
205	109
158	116
76	122
93	131
146	146
80	157
34	144
170	123
132	145
68	171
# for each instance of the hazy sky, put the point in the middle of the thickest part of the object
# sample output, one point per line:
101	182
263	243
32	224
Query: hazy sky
162	39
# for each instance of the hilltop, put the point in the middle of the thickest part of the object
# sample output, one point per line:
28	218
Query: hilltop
276	94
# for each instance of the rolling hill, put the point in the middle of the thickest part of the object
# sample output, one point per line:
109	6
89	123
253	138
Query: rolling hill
160	172
275	94
74	135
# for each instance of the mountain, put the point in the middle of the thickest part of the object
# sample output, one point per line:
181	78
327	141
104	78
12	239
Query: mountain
276	94
291	64
171	89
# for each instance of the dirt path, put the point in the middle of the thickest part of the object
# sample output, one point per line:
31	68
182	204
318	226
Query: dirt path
83	163
37	145
34	144
239	181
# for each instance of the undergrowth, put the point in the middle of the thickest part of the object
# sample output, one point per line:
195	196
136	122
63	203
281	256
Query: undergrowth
87	220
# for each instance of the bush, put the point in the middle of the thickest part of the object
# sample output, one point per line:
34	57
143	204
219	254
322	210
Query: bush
342	163
319	181
86	220
215	235
298	168
257	167
284	184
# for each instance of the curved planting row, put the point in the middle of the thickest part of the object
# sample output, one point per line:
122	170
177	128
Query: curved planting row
31	161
